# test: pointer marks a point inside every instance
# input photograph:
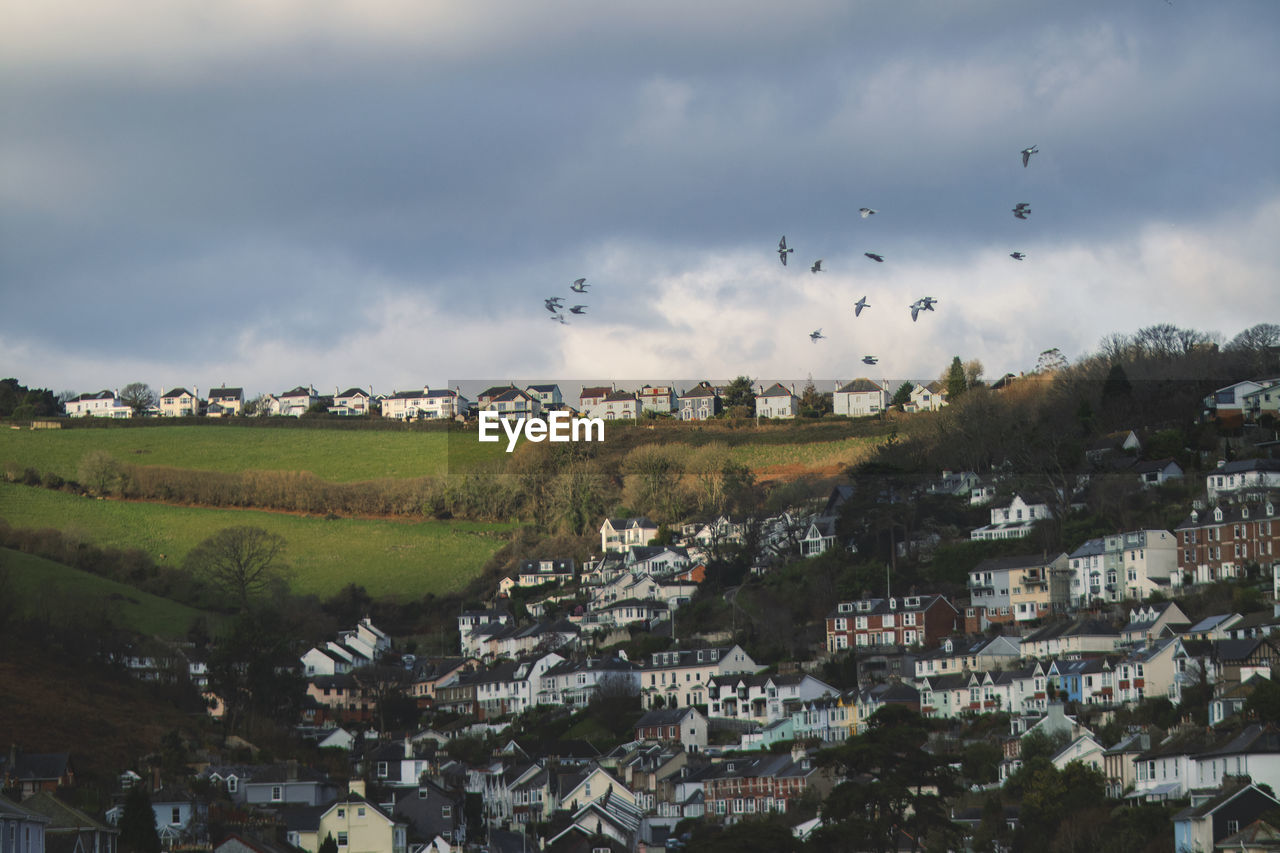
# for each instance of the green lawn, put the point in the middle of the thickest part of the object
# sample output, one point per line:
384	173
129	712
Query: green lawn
331	454
401	559
38	583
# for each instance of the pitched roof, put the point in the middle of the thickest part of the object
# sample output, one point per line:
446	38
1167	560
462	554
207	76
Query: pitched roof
859	386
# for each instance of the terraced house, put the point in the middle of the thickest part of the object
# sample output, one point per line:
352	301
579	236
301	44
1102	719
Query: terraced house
1218	544
682	677
1021	588
907	621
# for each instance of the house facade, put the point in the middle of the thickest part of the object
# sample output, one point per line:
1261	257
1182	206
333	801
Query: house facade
1218	544
777	402
103	404
680	678
657	398
1013	521
229	402
699	403
896	621
1021	588
179	403
860	398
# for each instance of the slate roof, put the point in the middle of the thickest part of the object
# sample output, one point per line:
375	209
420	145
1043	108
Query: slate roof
858	386
663	717
174	393
777	390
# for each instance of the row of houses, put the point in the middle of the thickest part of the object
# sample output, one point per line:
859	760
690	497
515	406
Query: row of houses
860	397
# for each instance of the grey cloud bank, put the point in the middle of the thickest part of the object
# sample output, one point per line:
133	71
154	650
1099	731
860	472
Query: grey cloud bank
275	193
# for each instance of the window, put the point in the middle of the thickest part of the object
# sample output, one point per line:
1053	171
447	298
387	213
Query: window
277	793
175	816
342	813
446	812
342	839
233	784
360	812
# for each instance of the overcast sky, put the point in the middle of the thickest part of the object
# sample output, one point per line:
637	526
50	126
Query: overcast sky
268	193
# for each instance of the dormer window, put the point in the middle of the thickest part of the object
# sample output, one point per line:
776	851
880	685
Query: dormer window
1217	514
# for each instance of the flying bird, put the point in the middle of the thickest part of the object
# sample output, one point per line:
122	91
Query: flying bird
782	250
578	309
817	266
879	259
816	335
1017	256
579	286
859	305
866	211
1021	210
553	304
1026	155
924	303
559	317
869	359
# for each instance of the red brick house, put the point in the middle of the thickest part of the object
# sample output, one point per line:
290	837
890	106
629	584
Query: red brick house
907	621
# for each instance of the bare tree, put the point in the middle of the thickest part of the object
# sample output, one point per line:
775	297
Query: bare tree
244	561
973	371
138	396
99	472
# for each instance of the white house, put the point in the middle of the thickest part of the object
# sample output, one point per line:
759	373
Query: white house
1012	521
1232	479
103	404
860	398
620	534
295	402
617	405
777	402
926	398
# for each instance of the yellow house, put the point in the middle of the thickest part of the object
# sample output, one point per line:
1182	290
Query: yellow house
357	825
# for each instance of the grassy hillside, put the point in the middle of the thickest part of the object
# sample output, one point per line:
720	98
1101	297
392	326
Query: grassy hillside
335	455
401	559
38	584
354	455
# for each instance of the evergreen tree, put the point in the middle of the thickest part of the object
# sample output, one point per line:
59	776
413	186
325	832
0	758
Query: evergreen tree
956	383
138	823
329	845
903	395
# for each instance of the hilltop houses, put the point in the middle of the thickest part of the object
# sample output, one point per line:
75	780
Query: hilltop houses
860	398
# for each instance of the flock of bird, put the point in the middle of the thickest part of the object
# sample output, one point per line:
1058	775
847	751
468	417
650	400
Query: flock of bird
554	305
1021	210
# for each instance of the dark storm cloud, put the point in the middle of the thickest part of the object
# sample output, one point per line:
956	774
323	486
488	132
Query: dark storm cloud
298	185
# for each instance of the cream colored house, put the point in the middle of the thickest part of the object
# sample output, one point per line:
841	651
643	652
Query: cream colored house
179	403
357	825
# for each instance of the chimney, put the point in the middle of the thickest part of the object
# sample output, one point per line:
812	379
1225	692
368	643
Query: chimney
408	747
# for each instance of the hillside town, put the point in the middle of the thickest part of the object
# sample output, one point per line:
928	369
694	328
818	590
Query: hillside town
588	705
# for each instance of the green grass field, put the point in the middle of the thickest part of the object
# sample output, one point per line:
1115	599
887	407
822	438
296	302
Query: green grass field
330	454
354	455
38	584
401	559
